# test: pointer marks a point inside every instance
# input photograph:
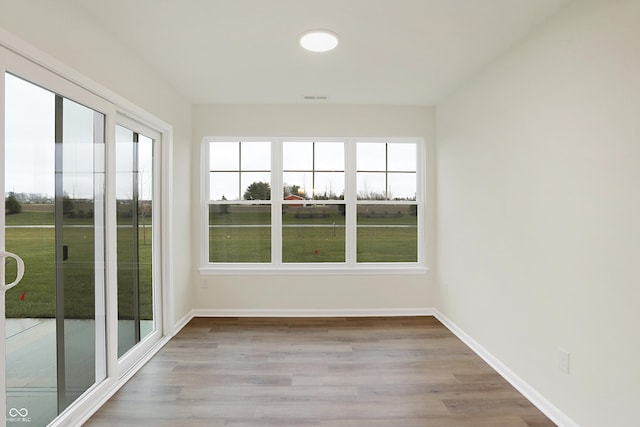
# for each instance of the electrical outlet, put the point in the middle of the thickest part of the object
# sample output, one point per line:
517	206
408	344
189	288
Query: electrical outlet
563	360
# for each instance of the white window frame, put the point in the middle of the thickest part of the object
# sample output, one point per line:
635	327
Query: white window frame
350	266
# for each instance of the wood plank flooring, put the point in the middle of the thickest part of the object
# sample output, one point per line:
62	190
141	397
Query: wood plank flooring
391	372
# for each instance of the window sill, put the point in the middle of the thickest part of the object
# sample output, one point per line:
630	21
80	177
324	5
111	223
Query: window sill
296	270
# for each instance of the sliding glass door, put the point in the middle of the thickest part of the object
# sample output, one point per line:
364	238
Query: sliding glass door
83	213
135	176
54	176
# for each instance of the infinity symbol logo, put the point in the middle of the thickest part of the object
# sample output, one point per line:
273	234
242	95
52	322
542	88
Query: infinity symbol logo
23	412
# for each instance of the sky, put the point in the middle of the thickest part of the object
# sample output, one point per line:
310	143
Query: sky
317	168
30	148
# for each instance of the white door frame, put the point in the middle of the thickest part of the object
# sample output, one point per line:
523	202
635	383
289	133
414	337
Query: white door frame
22	59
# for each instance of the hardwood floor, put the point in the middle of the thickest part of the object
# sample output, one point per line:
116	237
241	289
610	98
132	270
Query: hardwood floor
391	372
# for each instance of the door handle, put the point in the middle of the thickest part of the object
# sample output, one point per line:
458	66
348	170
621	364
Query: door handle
20	268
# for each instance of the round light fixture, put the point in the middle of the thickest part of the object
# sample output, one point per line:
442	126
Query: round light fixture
319	40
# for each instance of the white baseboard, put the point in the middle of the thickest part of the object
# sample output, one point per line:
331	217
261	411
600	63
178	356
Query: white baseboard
537	399
183	322
358	312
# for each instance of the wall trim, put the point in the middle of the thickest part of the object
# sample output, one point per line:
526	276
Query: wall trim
287	312
177	327
537	399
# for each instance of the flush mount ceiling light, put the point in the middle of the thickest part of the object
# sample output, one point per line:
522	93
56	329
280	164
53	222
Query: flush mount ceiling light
319	40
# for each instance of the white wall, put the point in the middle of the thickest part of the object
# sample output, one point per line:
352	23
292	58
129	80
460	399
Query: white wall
65	33
363	292
538	213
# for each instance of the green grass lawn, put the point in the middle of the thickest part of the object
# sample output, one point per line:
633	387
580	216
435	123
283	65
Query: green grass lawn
386	244
27	217
312	244
126	271
386	233
36	246
238	244
41	215
312	239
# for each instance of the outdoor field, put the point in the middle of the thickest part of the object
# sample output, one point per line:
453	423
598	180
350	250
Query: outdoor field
242	233
31	235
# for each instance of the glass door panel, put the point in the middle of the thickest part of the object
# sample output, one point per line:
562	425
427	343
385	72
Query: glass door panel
55	325
30	307
80	246
135	201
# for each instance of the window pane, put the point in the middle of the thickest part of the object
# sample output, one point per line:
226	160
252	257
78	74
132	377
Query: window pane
371	186
224	156
78	156
29	171
256	156
134	218
371	156
313	233
239	233
328	185
329	156
255	185
297	155
29	135
402	186
224	186
124	149
402	157
298	183
387	233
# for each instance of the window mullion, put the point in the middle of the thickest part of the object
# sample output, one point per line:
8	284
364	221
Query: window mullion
239	170
206	198
386	170
350	199
276	202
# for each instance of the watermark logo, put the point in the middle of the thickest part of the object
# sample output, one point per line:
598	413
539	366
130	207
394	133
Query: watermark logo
19	415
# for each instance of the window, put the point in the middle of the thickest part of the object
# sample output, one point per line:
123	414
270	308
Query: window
387	212
313	223
240	212
322	204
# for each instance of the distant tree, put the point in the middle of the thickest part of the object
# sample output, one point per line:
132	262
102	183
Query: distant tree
12	205
258	191
68	207
372	196
293	190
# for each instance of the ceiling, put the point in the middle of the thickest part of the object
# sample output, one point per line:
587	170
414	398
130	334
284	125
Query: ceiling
398	52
